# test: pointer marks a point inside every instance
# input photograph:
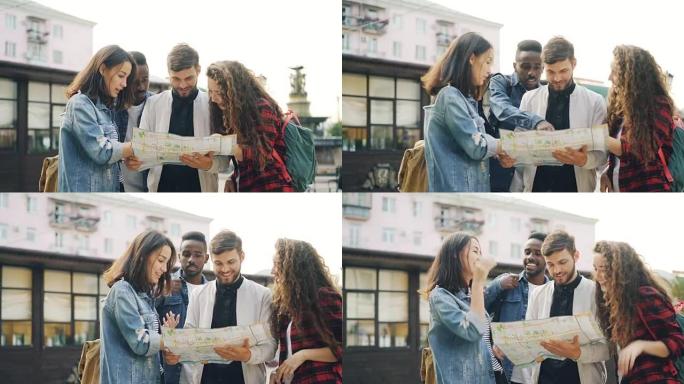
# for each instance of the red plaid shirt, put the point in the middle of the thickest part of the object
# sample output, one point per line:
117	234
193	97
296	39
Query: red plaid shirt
635	176
305	337
659	315
274	177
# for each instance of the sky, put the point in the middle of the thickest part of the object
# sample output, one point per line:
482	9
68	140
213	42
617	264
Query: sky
651	223
261	219
267	36
594	28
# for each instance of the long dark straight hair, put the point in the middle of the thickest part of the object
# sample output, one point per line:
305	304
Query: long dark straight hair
454	67
132	265
91	82
447	268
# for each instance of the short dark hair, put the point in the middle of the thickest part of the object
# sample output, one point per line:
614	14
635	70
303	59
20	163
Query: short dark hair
195	235
557	241
181	57
454	67
529	46
558	49
541	236
139	58
225	241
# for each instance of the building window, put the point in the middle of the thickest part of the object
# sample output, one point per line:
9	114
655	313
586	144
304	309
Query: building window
389	204
516	252
175	230
421	26
424	316
10	22
130	221
396	21
59	240
420	52
70	307
388	235
354	230
15	307
493	248
31	204
57	31
367	290
108	246
418	238
8	114
30	234
345	42
57	57
107	217
515	224
4	229
373	45
10	49
4	200
393	106
396	49
45	109
417	208
347	18
83	242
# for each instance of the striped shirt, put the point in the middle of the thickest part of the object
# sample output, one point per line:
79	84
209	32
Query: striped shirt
496	365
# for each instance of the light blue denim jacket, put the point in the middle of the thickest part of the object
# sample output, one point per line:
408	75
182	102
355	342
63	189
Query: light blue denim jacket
456	145
89	150
130	341
455	336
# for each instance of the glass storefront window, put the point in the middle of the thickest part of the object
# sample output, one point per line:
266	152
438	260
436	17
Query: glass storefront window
8	114
16	309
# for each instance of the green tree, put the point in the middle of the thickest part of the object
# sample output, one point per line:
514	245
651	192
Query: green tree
335	130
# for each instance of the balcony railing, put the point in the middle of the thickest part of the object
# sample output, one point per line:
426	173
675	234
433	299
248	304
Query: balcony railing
374	25
444	39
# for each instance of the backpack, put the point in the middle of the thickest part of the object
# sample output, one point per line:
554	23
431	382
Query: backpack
89	365
48	175
300	152
413	169
674	172
427	367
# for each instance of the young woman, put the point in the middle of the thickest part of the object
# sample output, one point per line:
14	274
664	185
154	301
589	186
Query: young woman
640	123
307	316
240	105
457	146
636	314
130	332
90	153
459	333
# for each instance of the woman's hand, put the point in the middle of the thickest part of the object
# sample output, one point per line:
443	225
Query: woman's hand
171	320
132	163
288	367
237	152
628	355
198	161
481	268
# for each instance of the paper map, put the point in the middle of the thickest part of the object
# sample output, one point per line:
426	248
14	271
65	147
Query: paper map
519	340
197	345
156	148
535	147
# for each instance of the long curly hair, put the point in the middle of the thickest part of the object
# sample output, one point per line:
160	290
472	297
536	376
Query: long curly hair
299	273
616	301
639	90
240	92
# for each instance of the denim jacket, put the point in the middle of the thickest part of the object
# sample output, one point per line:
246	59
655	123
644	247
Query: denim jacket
455	336
129	351
505	94
89	150
510	304
456	145
177	303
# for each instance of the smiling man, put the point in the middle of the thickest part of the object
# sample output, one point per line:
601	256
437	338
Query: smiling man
565	105
230	300
568	294
507	296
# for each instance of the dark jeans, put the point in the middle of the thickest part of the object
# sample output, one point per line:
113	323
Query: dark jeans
500	378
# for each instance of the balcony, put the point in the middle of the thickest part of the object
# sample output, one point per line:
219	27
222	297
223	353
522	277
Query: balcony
374	25
350	22
444	39
36	36
356	205
456	218
155	223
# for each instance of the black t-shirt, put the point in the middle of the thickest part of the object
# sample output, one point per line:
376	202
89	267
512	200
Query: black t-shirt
225	315
551	178
180	178
561	371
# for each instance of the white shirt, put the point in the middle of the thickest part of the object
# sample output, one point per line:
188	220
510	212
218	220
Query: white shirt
192	287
